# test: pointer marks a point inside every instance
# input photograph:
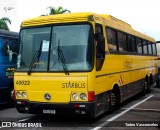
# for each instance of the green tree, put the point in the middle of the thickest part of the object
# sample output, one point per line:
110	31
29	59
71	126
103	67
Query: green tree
4	23
59	10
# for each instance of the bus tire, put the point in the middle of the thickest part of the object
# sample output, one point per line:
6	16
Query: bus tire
111	103
20	111
149	89
11	102
144	88
150	83
114	99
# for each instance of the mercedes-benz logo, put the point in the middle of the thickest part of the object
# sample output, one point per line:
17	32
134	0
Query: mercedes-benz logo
47	97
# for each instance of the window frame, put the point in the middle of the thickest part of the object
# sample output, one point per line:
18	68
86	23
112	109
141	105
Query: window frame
129	51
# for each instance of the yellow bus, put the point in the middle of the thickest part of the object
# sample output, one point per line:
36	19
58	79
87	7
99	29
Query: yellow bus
81	63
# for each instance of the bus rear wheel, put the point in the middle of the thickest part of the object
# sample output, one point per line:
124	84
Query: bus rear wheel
144	90
150	83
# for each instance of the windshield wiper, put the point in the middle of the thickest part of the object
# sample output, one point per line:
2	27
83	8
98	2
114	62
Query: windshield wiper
35	59
62	59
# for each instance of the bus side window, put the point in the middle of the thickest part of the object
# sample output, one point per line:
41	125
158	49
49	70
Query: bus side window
145	47
111	39
5	48
131	44
150	48
122	41
154	49
139	45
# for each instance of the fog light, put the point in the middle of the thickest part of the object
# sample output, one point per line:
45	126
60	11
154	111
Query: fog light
75	96
24	95
18	94
83	96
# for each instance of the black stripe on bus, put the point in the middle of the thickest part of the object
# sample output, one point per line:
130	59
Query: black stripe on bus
123	71
129	53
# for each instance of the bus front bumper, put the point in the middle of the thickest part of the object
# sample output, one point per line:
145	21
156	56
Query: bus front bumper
55	108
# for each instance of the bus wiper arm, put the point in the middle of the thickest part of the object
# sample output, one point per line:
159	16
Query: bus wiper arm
62	59
35	59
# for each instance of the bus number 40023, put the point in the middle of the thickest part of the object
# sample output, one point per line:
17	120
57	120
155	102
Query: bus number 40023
23	82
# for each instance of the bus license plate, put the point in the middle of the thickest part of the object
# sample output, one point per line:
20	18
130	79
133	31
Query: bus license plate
49	111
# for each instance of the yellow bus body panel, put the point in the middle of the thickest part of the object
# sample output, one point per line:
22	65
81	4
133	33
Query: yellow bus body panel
59	87
123	70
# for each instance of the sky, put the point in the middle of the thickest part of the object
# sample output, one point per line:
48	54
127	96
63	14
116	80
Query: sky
142	15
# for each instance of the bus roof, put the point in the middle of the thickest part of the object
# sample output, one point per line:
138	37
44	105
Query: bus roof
49	19
124	27
9	34
108	20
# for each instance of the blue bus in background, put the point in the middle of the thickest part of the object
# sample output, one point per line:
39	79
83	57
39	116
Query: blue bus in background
9	46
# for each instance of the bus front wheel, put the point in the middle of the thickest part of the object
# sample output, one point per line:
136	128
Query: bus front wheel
114	99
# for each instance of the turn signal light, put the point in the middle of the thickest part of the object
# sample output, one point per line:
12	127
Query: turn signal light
91	96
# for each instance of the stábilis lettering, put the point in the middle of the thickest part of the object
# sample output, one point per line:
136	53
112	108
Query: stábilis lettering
73	85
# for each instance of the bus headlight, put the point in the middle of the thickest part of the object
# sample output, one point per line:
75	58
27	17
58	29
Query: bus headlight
24	95
18	94
75	96
83	96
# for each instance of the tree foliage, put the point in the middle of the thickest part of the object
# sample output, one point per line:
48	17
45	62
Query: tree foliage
4	21
59	10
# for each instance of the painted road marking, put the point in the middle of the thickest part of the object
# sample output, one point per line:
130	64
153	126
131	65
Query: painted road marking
120	114
141	109
23	120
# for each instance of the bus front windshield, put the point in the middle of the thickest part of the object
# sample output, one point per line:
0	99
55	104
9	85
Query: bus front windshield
52	48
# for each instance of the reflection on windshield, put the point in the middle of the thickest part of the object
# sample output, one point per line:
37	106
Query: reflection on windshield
76	43
33	41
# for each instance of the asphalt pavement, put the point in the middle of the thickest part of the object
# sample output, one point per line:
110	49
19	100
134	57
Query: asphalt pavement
139	112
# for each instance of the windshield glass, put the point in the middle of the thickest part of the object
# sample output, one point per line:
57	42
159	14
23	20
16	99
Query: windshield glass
71	46
73	40
31	41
